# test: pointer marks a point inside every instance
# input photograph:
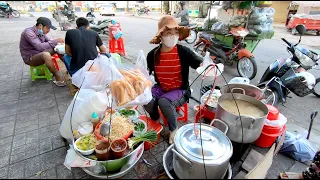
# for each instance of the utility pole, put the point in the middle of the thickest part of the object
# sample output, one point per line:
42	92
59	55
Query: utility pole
161	7
127	9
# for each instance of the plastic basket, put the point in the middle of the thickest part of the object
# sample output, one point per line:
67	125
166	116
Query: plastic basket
293	83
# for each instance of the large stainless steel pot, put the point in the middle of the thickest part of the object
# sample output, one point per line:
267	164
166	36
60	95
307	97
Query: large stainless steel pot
247	89
193	160
252	127
168	164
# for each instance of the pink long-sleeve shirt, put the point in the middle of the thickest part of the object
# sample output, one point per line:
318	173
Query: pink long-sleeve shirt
32	43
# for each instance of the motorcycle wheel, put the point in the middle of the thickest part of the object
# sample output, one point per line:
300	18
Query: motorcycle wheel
199	49
15	14
192	38
243	67
316	89
270	97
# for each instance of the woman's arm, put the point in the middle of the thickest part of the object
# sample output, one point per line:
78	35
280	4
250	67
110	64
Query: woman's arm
194	59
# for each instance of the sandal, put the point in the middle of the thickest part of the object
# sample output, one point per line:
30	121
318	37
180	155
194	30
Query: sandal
59	83
290	175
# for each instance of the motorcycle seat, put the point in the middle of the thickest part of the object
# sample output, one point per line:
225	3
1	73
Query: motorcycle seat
217	43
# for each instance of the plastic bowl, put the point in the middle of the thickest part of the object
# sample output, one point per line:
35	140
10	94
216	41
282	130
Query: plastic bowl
137	133
133	117
88	152
85	128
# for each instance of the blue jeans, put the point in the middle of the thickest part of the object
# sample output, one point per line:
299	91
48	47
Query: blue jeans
67	62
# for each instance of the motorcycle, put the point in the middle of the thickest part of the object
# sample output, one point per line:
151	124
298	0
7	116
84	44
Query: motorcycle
220	53
141	11
7	11
290	75
101	27
65	12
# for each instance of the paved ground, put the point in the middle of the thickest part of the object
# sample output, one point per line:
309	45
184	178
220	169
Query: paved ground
30	112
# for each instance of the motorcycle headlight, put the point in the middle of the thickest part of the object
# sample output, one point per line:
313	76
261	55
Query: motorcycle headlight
304	59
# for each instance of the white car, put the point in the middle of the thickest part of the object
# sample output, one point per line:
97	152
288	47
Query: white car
106	9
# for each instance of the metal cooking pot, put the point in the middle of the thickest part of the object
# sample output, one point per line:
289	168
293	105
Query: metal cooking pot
247	89
252	127
189	156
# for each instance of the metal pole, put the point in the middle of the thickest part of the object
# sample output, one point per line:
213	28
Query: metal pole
161	7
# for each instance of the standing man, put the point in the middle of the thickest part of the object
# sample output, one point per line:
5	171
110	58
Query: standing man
81	46
36	48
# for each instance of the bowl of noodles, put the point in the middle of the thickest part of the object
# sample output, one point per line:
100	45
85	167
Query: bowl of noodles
121	128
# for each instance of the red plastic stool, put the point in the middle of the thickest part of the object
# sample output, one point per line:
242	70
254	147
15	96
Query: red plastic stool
184	118
116	46
54	60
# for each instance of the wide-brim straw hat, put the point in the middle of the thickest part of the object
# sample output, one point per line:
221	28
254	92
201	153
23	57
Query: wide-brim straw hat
169	22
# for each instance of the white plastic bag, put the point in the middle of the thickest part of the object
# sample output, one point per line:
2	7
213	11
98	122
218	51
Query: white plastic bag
94	73
60	49
74	160
281	121
84	103
210	71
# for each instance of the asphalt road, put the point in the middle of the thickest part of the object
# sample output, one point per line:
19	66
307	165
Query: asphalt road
139	31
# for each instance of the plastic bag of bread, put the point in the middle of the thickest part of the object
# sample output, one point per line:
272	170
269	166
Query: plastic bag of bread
135	86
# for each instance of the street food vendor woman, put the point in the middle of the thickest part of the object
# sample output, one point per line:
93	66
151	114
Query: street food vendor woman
170	62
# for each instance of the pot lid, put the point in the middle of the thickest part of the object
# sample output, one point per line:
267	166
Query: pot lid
215	147
247	89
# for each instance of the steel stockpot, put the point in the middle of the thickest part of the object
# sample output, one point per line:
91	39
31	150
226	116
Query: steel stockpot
252	126
207	160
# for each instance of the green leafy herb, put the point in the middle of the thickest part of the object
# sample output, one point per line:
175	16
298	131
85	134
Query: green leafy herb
126	113
139	126
150	136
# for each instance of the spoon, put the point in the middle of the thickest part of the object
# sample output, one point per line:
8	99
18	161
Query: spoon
105	128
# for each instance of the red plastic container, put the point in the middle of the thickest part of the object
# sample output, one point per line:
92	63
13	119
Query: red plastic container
273	113
267	139
271	129
152	125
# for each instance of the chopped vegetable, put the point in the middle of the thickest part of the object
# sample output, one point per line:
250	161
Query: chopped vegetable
150	136
139	126
87	142
126	113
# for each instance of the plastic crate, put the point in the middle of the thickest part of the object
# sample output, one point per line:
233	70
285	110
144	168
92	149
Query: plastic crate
228	40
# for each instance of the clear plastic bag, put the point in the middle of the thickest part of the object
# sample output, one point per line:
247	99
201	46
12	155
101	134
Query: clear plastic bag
94	73
133	86
210	71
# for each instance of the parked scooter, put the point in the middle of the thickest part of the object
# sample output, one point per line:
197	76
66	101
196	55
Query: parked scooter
143	10
69	13
101	27
220	53
290	75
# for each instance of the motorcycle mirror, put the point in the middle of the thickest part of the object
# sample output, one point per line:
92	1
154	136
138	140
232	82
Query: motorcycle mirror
301	29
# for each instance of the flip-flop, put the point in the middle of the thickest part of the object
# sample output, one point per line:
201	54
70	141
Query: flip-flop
59	83
289	175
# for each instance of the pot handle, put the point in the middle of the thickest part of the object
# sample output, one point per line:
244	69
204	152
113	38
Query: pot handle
224	124
181	157
253	120
243	91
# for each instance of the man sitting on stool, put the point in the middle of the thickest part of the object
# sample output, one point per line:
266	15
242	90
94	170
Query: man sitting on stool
36	48
81	46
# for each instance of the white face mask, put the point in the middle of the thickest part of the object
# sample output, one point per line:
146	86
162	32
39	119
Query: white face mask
170	41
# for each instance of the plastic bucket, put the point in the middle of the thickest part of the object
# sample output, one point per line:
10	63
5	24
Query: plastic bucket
273	113
152	125
266	140
271	129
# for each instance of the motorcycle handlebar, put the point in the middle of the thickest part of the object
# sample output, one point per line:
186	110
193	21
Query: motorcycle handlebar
283	39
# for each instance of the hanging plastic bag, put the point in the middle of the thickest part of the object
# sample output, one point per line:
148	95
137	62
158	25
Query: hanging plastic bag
95	73
211	71
298	147
133	86
74	160
280	122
